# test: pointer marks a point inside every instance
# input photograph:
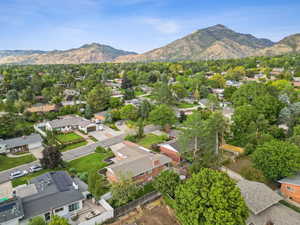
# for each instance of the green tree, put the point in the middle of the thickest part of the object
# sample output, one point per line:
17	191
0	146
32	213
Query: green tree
210	197
37	221
124	191
144	109
163	115
52	158
129	112
166	183
56	220
259	96
277	159
98	98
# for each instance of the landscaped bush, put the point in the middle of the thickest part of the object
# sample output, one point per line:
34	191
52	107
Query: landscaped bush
100	150
131	138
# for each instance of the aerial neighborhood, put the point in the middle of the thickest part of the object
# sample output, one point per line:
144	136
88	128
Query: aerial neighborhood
188	134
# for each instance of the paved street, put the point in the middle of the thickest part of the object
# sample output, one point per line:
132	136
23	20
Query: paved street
77	153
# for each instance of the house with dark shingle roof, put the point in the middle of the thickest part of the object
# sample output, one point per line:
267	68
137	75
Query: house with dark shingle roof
20	144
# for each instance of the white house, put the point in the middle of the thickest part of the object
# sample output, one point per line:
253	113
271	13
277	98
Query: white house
70	123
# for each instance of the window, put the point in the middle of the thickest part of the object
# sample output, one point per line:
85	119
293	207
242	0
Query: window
58	210
47	216
73	207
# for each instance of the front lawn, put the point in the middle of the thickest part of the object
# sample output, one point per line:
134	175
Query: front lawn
85	164
151	139
69	137
73	146
90	162
8	163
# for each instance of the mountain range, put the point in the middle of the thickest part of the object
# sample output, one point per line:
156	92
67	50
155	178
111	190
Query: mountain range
215	42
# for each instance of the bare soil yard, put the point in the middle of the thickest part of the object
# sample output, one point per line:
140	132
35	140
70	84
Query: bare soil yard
155	213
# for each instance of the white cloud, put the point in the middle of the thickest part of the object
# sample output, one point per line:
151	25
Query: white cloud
164	26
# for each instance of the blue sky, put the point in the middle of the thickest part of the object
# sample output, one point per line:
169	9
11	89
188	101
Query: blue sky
136	25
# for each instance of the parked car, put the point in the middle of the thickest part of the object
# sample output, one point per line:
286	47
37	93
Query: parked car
18	173
35	168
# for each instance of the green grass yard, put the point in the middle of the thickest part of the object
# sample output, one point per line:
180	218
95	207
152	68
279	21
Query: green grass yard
73	146
151	139
8	163
85	164
90	162
69	137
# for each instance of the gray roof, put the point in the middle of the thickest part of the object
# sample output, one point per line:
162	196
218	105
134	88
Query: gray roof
278	214
69	121
55	189
138	160
258	196
295	180
11	209
20	141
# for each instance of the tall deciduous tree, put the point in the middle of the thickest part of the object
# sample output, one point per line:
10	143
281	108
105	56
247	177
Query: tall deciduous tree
52	157
163	115
98	97
210	197
277	159
166	183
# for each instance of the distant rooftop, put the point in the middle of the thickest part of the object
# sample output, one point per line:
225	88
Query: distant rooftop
20	141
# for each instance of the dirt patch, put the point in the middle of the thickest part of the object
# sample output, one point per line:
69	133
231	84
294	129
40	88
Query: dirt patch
155	213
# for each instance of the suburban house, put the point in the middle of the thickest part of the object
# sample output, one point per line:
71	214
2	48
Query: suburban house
290	187
70	94
264	205
70	123
20	144
101	116
172	150
53	193
277	71
42	108
136	162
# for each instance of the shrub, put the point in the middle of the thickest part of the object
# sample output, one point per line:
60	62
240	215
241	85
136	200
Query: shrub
100	150
131	138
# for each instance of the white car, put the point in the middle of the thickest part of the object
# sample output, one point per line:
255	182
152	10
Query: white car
35	168
18	173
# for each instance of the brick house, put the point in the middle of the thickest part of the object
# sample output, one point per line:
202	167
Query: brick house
135	162
172	150
290	187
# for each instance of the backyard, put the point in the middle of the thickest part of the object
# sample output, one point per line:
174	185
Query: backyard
70	141
245	168
69	137
8	162
151	139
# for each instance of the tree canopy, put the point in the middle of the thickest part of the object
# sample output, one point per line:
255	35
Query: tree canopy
210	197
